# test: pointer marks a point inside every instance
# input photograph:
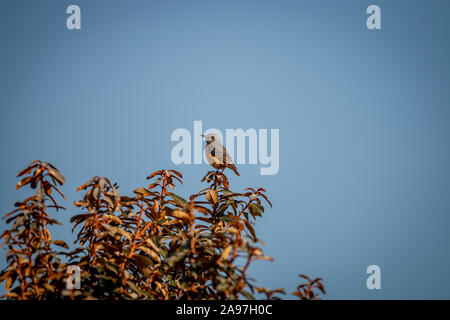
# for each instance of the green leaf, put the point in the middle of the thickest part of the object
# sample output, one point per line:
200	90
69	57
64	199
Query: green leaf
222	208
256	209
178	200
230	219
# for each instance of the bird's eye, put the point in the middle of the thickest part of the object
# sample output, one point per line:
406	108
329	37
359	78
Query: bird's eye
213	138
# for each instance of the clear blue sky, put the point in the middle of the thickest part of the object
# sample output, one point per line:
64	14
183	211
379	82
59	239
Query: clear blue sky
364	119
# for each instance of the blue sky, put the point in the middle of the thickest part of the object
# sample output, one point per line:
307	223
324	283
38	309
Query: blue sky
364	120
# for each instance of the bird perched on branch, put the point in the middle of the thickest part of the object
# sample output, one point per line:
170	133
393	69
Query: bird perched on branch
217	155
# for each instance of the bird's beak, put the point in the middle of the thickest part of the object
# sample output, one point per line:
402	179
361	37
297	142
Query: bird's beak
203	135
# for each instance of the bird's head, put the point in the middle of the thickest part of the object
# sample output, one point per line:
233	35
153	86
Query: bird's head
210	138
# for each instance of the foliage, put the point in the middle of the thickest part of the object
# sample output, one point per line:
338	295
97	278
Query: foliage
152	245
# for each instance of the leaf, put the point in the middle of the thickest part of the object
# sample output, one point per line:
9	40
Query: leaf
152	244
142	263
247	295
101	183
48	235
265	197
57	175
150	252
23	182
212	196
151	186
79	217
95	192
230	218
108	200
142	192
175	257
227	192
9	282
304	277
49	287
80	203
252	231
256	209
83	186
180	214
25	171
226	253
178	200
134	287
202	209
12	295
40	194
222	208
113	218
122	232
113	230
61	243
177	173
153	174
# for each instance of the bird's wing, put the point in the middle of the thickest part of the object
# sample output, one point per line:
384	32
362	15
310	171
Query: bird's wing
227	159
218	151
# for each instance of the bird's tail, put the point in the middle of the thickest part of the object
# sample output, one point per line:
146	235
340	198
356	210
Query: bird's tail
233	167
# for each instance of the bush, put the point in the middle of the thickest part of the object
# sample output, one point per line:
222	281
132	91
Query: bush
153	245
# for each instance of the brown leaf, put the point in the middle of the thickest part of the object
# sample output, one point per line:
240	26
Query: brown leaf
23	182
212	196
61	243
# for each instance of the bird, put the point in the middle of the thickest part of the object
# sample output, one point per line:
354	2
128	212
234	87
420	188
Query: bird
217	155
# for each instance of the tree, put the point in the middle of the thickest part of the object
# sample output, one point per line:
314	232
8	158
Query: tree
152	245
